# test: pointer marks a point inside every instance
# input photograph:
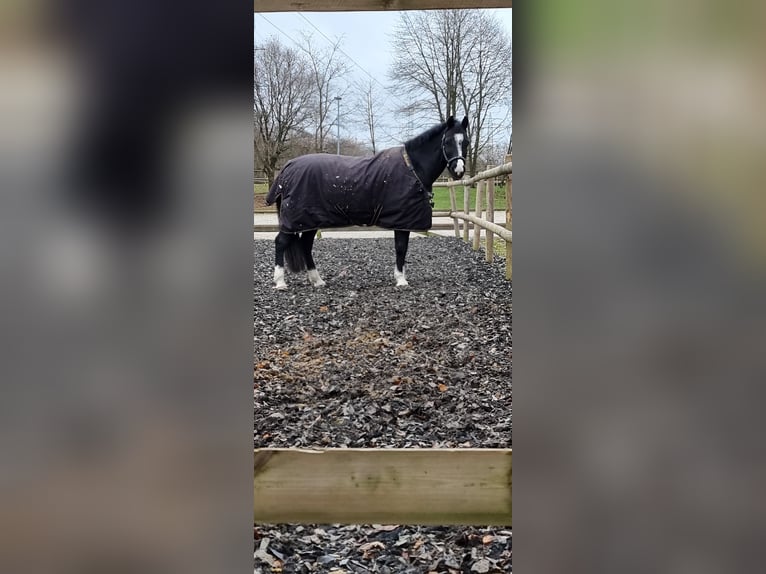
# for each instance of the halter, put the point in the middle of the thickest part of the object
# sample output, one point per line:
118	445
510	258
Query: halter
444	153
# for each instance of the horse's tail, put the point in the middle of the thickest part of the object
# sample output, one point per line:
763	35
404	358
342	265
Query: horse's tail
295	259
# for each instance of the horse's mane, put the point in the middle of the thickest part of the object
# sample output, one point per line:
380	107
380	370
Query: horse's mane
426	135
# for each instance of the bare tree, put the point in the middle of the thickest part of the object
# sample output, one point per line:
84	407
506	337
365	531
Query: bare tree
451	58
369	106
486	80
492	154
428	63
283	91
326	69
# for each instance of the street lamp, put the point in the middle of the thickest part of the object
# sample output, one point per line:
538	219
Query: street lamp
337	123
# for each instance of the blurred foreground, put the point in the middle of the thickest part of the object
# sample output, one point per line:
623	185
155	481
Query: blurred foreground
126	293
639	267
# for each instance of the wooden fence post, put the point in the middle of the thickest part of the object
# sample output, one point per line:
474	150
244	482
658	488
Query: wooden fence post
466	210
509	223
453	207
479	208
490	185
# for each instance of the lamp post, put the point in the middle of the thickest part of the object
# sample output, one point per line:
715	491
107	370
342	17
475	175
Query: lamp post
337	123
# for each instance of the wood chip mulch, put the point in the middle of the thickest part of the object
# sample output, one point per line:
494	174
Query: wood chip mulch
362	364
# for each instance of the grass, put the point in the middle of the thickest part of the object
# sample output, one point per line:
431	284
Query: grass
442	203
441	197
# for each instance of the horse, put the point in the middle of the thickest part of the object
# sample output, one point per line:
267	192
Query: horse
391	189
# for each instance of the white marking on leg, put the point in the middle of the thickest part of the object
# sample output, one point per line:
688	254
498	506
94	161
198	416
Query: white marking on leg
279	278
401	279
315	279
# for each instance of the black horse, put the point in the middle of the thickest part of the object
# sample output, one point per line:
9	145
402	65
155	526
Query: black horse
391	189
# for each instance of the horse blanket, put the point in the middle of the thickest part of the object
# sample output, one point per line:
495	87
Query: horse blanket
322	191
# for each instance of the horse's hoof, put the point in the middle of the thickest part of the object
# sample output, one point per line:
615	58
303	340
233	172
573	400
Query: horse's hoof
402	283
318	284
281	286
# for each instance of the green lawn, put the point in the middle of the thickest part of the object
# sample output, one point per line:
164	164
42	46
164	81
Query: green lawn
441	197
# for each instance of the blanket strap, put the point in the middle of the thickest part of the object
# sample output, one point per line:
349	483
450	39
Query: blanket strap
376	215
408	161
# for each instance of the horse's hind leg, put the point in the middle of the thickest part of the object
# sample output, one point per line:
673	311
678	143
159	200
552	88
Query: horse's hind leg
281	243
401	242
307	244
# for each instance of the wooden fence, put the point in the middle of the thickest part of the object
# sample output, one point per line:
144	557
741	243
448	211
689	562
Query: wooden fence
464	486
398	486
384	486
485	189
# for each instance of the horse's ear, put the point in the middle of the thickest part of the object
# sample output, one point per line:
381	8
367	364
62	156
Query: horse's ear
465	122
450	122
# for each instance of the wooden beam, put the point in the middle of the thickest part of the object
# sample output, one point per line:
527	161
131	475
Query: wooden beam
506	234
453	207
364	5
274	227
508	225
383	486
466	209
505	169
490	249
480	186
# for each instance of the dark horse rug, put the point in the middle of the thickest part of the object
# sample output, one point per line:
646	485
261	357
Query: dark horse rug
322	191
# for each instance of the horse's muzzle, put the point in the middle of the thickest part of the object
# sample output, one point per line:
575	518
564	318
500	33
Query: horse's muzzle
457	171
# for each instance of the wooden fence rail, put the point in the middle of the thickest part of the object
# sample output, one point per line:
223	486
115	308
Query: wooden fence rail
384	486
485	186
505	234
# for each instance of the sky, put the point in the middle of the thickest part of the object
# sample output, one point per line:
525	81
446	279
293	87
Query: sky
366	38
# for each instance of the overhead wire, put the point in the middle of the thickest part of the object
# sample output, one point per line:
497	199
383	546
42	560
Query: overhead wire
358	65
397	139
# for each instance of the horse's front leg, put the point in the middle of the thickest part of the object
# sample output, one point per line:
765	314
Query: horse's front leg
281	244
307	245
401	242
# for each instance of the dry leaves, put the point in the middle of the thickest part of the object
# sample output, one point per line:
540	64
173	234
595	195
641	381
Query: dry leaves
360	363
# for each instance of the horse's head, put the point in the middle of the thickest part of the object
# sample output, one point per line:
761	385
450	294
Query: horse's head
455	146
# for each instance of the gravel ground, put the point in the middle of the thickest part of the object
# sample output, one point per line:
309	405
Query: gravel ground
360	363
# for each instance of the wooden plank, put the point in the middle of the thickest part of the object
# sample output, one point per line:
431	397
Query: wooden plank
490	217
466	209
505	169
383	486
363	5
506	234
509	226
479	209
453	206
269	227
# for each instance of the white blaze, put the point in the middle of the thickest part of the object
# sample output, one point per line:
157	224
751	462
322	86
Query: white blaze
459	166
